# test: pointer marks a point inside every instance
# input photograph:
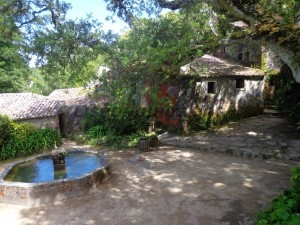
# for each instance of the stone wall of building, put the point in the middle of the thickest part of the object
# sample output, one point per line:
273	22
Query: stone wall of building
49	122
193	95
227	95
248	55
73	117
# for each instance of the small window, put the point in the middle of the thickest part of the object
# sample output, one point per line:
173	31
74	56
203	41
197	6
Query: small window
211	87
240	56
247	56
240	83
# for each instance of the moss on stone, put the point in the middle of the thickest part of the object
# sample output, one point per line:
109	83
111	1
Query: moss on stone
202	121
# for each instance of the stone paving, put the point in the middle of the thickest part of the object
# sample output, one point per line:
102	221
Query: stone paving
267	136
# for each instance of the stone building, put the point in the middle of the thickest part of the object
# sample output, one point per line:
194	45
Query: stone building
78	101
34	109
213	85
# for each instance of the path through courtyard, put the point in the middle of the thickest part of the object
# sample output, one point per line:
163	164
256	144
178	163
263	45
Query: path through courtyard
171	186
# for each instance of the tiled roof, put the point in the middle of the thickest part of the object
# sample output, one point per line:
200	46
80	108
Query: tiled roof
20	106
211	66
74	96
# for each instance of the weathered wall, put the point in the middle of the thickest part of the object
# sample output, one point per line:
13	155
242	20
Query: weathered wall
251	54
227	95
270	60
192	95
73	117
49	122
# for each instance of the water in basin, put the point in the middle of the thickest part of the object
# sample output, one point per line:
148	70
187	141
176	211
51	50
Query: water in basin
42	170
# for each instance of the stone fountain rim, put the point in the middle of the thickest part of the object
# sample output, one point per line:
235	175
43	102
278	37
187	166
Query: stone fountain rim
28	185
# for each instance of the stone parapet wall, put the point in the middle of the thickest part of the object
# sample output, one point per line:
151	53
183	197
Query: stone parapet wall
49	122
30	194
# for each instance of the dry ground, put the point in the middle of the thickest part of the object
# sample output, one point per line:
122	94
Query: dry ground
171	186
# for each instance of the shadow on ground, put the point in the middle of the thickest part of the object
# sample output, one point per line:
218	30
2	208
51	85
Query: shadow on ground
167	186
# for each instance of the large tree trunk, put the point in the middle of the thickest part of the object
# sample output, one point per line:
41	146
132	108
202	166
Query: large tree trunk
288	57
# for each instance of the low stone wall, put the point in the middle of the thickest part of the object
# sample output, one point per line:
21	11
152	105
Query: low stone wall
30	194
49	122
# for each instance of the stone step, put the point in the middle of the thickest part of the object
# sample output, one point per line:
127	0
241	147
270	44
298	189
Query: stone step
271	112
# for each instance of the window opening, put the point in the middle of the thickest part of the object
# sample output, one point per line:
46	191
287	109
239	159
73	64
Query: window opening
240	56
211	87
240	83
247	56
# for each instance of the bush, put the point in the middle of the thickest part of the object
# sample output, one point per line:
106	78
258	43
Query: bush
44	139
5	128
202	121
25	139
285	209
198	121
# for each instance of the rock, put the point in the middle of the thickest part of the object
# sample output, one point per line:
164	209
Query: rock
246	155
283	144
295	144
237	153
277	155
272	143
239	144
267	155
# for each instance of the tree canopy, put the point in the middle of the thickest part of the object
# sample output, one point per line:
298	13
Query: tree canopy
64	49
153	50
275	25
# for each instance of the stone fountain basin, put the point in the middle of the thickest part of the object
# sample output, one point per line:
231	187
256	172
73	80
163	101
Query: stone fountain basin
31	194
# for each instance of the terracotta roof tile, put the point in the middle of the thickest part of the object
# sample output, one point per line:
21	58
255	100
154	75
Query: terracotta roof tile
20	106
211	66
75	96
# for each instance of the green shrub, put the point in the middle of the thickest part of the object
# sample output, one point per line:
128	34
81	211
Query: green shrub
198	121
25	139
94	117
114	125
202	121
285	209
5	128
287	93
44	139
153	139
96	132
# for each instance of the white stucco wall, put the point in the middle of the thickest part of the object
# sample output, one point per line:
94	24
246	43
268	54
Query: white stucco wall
49	122
227	95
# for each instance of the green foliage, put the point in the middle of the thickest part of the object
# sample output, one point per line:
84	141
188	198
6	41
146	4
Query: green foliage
25	139
13	68
287	94
65	53
285	209
279	22
202	121
158	47
14	41
115	120
117	126
44	139
5	128
144	58
153	139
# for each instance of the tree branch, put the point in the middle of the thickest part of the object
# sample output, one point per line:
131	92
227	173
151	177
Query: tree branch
34	13
288	57
177	4
234	11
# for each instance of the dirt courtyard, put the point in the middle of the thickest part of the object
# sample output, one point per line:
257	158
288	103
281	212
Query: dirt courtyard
167	186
